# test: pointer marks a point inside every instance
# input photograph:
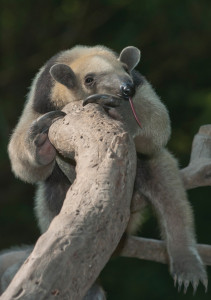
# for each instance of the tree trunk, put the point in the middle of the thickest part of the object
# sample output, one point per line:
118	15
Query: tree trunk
81	239
70	255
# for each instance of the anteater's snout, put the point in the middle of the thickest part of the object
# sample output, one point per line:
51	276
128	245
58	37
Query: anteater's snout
127	90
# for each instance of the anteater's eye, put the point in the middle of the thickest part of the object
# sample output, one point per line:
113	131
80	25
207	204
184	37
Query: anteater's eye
89	80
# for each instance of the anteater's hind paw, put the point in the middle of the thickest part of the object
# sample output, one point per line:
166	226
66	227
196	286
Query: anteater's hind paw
187	270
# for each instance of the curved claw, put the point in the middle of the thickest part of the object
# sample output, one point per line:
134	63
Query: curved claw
195	286
50	117
103	99
186	285
42	124
45	121
205	284
195	283
179	284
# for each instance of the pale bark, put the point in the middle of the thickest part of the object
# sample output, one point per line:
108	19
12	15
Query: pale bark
96	210
198	172
155	250
68	258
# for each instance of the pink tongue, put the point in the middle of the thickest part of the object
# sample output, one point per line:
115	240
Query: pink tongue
134	112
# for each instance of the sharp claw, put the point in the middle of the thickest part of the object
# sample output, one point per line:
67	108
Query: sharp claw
55	114
186	284
103	99
92	99
195	285
42	124
205	284
178	280
48	118
179	284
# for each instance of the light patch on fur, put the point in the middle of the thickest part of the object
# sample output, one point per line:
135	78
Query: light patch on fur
61	95
135	221
76	52
96	64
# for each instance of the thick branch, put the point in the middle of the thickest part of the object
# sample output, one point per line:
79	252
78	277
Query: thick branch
97	206
95	213
155	250
198	172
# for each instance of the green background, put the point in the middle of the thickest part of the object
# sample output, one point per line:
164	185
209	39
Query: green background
174	37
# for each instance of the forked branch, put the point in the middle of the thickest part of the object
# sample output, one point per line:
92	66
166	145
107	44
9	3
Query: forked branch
68	258
81	239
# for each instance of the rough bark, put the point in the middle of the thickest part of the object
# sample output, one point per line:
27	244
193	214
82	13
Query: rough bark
81	239
96	209
155	250
198	172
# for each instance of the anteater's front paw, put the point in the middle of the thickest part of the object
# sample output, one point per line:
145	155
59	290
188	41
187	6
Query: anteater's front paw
186	269
37	138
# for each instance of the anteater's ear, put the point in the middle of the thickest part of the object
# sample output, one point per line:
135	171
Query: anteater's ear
64	75
130	56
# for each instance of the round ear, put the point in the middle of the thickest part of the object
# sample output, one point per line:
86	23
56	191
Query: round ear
130	56
64	75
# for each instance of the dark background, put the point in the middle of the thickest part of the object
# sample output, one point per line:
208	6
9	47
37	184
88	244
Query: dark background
174	37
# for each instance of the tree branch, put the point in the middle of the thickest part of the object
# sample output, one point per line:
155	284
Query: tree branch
198	172
97	206
155	250
81	239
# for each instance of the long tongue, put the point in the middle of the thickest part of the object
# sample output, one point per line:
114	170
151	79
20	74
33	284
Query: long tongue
134	112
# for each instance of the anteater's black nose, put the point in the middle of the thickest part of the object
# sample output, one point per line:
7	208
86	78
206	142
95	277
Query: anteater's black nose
127	90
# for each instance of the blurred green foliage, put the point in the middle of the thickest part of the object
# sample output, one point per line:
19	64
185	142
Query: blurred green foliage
174	37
